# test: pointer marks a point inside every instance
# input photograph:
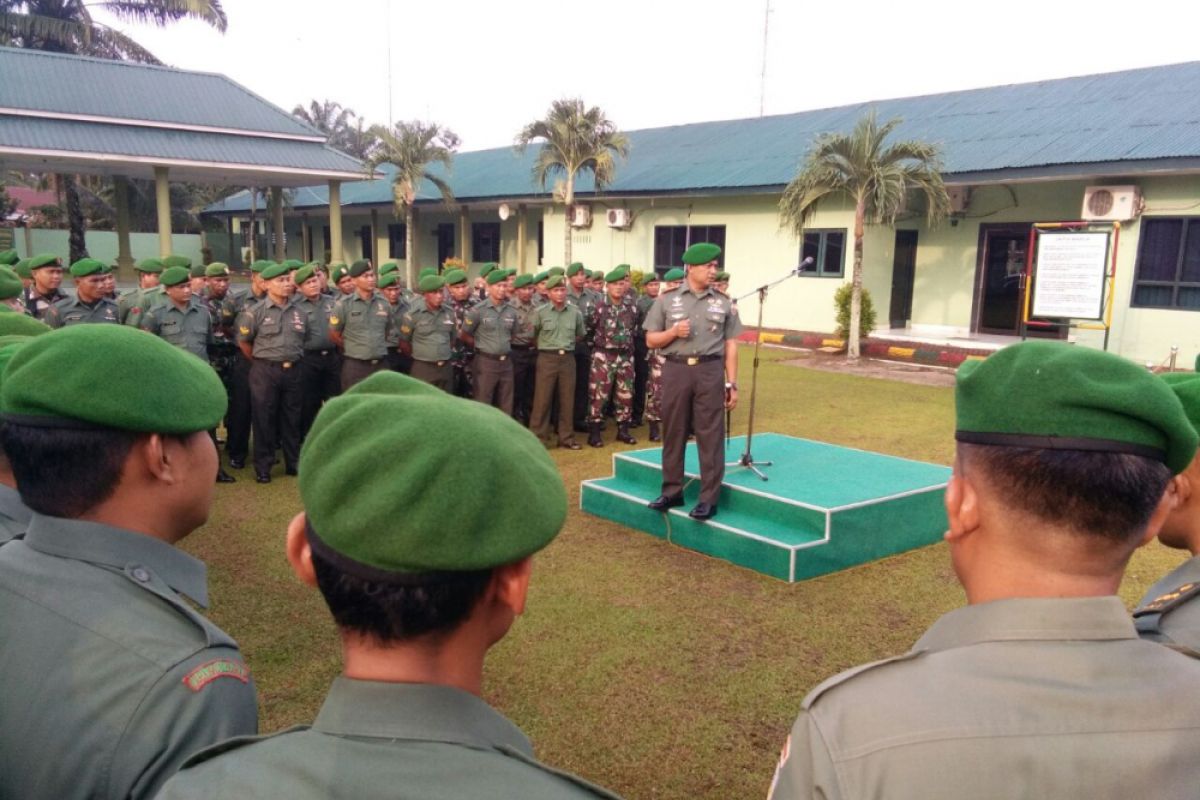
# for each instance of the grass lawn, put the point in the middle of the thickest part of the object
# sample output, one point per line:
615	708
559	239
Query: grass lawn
652	670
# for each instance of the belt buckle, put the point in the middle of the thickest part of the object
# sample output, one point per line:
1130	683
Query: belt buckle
374	361
693	361
503	358
287	365
562	352
441	363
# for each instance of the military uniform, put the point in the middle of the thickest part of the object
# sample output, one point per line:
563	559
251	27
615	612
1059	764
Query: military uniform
462	355
238	419
430	333
37	304
641	360
1169	612
189	329
147	300
14	514
585	301
557	331
492	326
365	326
73	311
524	356
321	364
277	334
614	328
111	679
1012	698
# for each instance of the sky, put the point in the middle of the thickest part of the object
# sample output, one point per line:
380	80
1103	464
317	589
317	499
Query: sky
485	69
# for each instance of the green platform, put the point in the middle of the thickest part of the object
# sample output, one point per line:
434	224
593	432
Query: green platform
823	509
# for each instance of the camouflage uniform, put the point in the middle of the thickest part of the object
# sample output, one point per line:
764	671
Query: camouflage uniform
461	353
613	328
223	353
654	387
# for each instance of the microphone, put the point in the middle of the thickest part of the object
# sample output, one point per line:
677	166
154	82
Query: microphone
808	262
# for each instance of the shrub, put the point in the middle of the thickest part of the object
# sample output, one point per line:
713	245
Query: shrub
841	302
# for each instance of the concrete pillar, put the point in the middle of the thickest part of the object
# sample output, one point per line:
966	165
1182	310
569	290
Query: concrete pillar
277	222
28	241
335	222
521	235
162	198
464	235
124	251
376	257
306	253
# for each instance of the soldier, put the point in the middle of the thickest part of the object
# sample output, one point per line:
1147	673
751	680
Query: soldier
558	327
321	364
9	258
223	354
10	291
721	284
148	270
340	276
89	305
199	279
488	328
428	603
641	353
14	514
524	350
426	332
580	295
239	419
654	362
47	272
596	281
392	290
360	325
1039	687
111	676
154	296
25	273
271	334
463	354
541	293
480	289
697	330
614	326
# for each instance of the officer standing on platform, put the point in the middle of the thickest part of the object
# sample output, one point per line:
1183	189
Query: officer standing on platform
321	364
427	330
271	334
559	328
488	328
461	301
524	350
89	305
696	328
614	326
360	324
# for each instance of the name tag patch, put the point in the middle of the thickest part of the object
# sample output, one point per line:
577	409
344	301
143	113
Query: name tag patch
209	671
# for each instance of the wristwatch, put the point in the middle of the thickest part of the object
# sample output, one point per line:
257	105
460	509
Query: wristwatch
731	385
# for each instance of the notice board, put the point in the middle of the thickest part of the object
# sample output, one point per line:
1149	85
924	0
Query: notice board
1070	273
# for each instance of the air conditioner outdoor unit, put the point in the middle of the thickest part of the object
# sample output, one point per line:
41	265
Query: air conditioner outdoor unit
581	216
619	218
960	198
1111	203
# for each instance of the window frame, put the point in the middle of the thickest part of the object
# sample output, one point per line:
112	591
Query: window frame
1177	283
397	240
491	252
819	270
686	235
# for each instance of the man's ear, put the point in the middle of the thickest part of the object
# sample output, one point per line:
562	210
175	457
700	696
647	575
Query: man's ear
511	584
1169	501
299	553
962	506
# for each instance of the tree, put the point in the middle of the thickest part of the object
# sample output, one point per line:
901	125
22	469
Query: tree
344	129
574	140
411	148
877	177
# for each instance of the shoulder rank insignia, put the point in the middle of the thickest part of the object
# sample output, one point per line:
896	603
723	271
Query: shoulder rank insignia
209	671
245	331
333	320
1170	600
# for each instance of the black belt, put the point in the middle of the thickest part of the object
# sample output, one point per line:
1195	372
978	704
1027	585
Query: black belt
441	363
492	356
692	361
558	352
372	361
319	352
522	347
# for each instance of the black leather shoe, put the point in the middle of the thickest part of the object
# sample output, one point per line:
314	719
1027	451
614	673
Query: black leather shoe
663	502
571	445
225	477
655	432
262	478
291	471
624	436
237	463
703	511
594	437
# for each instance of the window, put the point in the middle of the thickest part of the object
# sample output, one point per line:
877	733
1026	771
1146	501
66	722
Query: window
1167	274
541	243
485	241
671	240
397	240
364	234
827	249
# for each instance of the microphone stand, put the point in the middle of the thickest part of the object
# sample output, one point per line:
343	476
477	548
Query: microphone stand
747	459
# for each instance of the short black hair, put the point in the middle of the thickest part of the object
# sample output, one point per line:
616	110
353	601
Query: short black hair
394	612
65	472
1110	495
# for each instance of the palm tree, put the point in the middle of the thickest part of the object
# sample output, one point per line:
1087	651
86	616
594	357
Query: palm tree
412	147
877	177
574	140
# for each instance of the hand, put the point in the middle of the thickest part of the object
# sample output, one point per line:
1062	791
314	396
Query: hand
730	399
683	329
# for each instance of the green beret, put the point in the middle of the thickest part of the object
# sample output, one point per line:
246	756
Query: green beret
487	269
427	271
392	516
455	277
544	275
293	264
84	373
14	322
9	345
45	260
722	276
1052	395
390	266
22	268
86	266
340	271
575	269
391	279
198	271
652	277
555	271
596	275
177	261
8	258
615	275
430	283
701	253
217	269
360	267
522	281
273	271
554	280
1186	386
260	265
173	276
305	273
675	274
496	276
154	265
10	283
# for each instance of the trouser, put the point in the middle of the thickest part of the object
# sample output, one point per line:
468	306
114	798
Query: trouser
641	371
438	373
461	383
611	376
524	367
583	368
358	369
320	379
693	398
494	381
654	363
275	387
398	362
555	376
237	417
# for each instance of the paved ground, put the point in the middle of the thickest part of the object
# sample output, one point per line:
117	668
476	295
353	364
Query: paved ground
875	368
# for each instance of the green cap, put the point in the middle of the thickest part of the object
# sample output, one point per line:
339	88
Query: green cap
154	265
455	277
305	273
388	267
260	265
293	264
391	279
339	271
615	275
274	271
87	373
522	281
360	267
722	276
497	276
198	271
575	269
675	274
651	277
177	261
87	266
487	269
16	323
544	275
8	258
431	283
427	271
555	271
45	260
555	280
9	345
701	253
1051	395
391	517
597	275
173	276
22	268
10	283
217	269
1186	386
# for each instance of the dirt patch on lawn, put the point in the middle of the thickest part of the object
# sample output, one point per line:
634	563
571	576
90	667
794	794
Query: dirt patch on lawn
874	368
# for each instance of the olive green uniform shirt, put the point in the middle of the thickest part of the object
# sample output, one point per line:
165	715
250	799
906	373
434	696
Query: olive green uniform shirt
318	312
558	329
188	329
1010	699
74	311
430	332
492	326
365	325
127	302
523	332
712	315
276	331
111	679
14	514
375	739
146	300
396	312
1170	612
